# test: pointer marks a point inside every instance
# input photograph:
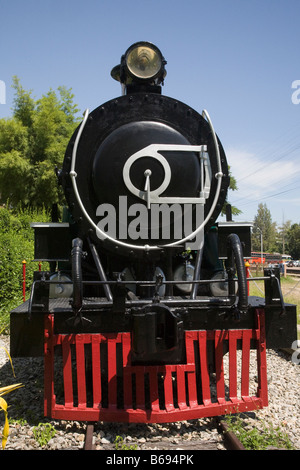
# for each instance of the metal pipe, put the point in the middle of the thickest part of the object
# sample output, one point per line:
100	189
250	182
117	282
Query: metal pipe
100	270
197	271
209	301
76	255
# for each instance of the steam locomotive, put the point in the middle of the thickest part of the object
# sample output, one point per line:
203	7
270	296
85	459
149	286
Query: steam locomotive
147	294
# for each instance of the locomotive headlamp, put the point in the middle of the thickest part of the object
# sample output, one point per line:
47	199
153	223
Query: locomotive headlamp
143	61
142	64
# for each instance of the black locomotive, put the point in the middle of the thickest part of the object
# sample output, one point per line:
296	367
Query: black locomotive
139	253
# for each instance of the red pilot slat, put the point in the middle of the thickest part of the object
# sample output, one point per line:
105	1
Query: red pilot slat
140	387
191	378
67	372
202	338
153	389
181	394
127	376
220	384
112	372
233	366
96	369
168	390
80	361
245	364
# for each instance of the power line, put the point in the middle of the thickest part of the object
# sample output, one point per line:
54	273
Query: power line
269	163
281	187
269	196
290	145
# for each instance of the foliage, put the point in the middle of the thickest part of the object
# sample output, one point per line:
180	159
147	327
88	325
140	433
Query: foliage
43	433
16	242
32	144
293	240
284	239
253	438
263	224
232	187
3	404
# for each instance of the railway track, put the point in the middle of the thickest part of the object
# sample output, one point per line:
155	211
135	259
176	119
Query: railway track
229	441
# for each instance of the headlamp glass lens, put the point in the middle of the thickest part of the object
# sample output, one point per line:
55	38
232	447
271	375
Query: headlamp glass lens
143	62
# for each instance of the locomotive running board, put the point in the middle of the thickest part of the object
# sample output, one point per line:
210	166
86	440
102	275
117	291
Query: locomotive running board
92	378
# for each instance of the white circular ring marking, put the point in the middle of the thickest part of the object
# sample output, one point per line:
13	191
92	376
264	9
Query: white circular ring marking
146	152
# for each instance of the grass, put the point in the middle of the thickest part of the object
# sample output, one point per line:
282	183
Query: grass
291	292
290	287
258	439
120	444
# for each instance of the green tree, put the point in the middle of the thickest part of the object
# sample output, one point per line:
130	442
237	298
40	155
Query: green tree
263	224
282	240
24	104
293	238
32	143
233	187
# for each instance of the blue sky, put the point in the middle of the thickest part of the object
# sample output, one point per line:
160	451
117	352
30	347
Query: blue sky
235	58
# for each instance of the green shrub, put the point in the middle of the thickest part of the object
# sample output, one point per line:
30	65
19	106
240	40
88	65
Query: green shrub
16	245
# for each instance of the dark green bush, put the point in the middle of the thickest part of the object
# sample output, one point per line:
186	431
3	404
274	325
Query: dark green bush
16	245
